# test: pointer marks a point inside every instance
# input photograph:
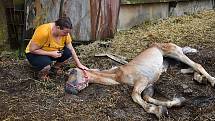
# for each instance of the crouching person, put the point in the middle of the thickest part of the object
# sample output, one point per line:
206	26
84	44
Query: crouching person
51	42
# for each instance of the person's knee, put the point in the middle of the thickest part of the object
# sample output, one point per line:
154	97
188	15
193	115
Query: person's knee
42	65
38	62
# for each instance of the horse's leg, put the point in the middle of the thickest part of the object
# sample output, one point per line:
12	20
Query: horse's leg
148	93
139	86
177	53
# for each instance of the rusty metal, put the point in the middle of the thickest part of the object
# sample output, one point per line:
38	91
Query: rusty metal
104	17
92	19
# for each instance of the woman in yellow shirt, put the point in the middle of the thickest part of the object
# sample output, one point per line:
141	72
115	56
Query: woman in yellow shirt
51	42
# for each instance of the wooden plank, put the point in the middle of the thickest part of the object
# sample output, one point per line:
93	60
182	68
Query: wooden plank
117	59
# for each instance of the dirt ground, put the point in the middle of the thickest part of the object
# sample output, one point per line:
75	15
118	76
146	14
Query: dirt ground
23	97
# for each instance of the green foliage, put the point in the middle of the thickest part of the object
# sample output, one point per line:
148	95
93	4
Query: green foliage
9	54
3	27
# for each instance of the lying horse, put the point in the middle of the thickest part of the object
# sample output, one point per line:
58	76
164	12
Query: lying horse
141	72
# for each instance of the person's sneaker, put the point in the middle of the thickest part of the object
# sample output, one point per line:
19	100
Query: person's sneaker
44	73
43	77
58	69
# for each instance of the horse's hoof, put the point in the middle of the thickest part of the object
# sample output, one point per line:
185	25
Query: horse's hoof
162	111
199	78
178	101
212	81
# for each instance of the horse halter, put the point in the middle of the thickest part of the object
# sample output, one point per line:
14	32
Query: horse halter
75	85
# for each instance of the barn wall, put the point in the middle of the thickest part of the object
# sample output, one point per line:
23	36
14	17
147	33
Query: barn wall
134	12
92	19
39	12
79	13
132	15
99	19
182	8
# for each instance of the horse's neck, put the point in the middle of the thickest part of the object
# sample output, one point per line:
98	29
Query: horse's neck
100	74
102	77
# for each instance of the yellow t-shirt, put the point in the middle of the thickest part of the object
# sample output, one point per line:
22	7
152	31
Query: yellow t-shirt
43	38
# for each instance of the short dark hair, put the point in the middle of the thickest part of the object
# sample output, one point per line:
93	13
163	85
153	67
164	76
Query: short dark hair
64	22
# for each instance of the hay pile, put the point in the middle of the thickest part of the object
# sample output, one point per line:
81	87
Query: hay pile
25	98
184	31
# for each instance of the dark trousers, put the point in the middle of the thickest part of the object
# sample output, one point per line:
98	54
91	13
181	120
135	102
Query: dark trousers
40	61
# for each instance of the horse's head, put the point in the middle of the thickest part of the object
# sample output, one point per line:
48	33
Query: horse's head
77	80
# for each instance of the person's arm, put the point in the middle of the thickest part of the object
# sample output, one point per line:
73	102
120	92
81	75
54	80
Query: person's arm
75	57
39	38
35	49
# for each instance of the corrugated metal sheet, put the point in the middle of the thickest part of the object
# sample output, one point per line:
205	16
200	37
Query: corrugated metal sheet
92	19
